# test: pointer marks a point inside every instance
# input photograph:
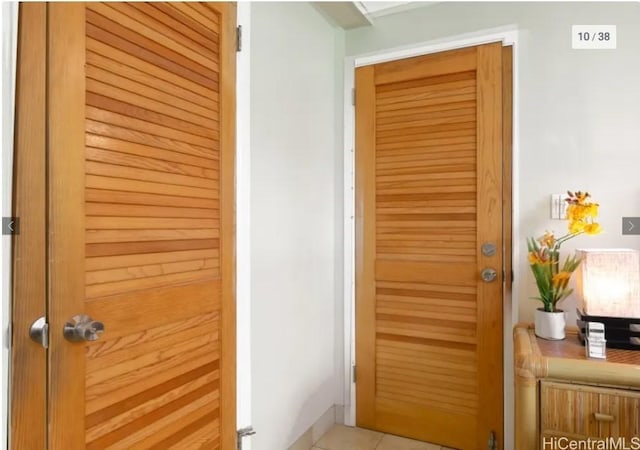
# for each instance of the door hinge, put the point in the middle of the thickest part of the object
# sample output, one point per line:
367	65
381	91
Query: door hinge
492	444
243	432
353	96
239	38
353	373
512	277
39	332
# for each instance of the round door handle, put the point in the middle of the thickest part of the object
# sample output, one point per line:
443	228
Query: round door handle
82	328
488	275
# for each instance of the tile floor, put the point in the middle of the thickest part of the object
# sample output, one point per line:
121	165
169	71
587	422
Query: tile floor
341	437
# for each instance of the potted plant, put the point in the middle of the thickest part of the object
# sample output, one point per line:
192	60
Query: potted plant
552	278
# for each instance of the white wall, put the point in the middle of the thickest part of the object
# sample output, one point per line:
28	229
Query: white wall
295	220
578	117
9	45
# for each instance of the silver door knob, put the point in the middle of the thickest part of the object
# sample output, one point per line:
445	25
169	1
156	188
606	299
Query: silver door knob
488	275
82	328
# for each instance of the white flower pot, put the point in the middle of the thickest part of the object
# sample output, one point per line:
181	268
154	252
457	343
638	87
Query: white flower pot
550	325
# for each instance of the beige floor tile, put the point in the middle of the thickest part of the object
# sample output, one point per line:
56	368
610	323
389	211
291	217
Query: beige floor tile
341	437
390	442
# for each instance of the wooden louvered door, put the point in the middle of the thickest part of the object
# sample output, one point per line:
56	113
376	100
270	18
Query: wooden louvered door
428	195
140	120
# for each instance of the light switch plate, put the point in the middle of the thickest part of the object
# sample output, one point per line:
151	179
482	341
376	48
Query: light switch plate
558	207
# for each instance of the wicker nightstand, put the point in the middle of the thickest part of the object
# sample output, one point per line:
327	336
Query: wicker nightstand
561	393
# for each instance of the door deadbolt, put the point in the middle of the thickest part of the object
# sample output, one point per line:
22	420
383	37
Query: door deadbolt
488	275
488	249
82	328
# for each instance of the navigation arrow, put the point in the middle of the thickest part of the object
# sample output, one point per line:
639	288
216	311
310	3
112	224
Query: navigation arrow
10	225
631	225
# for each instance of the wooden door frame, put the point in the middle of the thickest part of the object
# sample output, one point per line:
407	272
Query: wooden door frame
508	37
48	144
28	376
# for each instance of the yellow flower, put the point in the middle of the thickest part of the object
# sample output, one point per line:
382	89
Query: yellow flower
561	278
534	258
576	226
592	228
592	210
547	239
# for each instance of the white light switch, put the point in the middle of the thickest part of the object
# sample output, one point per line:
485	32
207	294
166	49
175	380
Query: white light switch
558	206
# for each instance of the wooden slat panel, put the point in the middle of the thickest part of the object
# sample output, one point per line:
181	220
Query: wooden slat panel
132	248
190	117
139	155
409	419
192	29
431	354
158	304
97	402
159	225
421	86
117	209
133	173
109	424
133	19
109	345
149	270
454	61
205	332
125	437
461	138
111	262
150	163
138	137
175	30
419	400
121	184
125	39
153	394
140	198
423	82
143	235
128	223
195	435
426	103
425	311
437	111
396	129
435	151
134	68
150	111
428	394
442	118
425	379
119	287
423	132
197	14
204	424
130	369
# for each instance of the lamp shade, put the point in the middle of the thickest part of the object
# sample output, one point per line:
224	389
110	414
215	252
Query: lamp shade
608	282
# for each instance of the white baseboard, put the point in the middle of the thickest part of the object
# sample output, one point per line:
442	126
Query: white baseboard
319	428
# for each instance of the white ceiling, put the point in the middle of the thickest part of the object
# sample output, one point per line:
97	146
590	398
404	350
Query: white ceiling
349	15
379	8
